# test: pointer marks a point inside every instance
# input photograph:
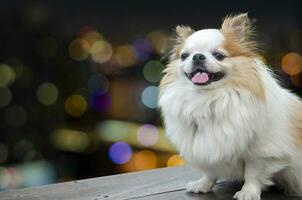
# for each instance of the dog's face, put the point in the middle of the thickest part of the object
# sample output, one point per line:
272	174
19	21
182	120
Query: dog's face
203	58
209	58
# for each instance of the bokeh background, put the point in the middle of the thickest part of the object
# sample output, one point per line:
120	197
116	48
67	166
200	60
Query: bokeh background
79	80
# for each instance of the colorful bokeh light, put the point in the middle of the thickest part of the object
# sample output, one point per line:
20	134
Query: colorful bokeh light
97	84
292	63
145	160
120	152
111	130
152	71
147	135
142	49
75	105
158	40
92	37
100	103
101	51
47	93
7	75
26	175
149	96
175	160
79	49
116	130
125	56
70	140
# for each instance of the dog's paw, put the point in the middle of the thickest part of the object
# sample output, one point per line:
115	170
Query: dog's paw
200	186
246	195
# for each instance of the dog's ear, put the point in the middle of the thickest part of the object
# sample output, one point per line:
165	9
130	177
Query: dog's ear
239	25
182	32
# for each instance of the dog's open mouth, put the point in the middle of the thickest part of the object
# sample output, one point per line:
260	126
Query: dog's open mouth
200	77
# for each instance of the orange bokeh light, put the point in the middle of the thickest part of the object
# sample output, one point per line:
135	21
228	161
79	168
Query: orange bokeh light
292	63
175	160
144	160
79	49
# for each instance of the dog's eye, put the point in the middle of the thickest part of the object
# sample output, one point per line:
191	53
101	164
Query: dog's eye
183	56
219	56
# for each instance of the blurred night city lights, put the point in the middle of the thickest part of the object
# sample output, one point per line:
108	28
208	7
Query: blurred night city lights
79	84
120	152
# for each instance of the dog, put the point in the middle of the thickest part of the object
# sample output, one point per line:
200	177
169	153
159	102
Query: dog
227	114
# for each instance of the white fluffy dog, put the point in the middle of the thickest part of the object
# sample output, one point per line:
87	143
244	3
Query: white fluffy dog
227	114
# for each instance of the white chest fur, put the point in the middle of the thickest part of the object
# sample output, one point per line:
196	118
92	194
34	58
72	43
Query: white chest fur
211	130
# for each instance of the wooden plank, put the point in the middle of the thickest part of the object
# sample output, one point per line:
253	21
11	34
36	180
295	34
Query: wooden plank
166	183
110	187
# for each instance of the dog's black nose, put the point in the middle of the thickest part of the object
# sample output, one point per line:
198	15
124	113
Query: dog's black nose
199	57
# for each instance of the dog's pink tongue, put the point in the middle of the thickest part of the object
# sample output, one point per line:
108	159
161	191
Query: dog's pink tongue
200	77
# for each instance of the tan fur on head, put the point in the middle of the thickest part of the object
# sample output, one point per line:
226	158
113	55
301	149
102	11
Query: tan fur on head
182	33
246	75
239	32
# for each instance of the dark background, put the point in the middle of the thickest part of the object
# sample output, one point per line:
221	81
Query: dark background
65	115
